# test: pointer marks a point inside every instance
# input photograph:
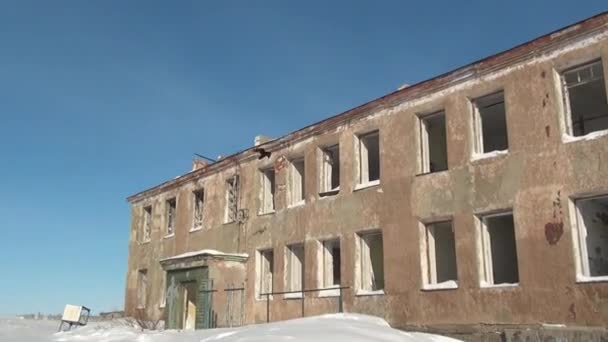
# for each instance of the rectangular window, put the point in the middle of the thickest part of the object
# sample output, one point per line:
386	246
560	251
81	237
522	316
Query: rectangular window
171	210
199	203
498	249
330	170
585	99
142	288
297	182
265	271
369	158
439	261
231	208
163	290
371	261
267	204
295	267
433	142
490	123
591	233
330	264
147	224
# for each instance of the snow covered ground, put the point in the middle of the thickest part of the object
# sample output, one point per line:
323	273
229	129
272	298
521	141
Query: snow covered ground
327	328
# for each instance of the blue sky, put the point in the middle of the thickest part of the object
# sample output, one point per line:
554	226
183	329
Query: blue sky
99	100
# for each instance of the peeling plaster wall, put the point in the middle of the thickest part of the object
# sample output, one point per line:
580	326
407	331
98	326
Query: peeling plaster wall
536	179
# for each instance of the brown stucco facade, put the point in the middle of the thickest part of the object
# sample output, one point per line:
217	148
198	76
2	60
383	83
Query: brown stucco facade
538	179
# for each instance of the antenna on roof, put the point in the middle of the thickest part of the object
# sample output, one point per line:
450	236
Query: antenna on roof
206	158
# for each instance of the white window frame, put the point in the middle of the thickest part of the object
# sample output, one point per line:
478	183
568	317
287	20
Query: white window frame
363	160
428	259
327	169
170	219
163	290
365	283
478	149
484	249
567	110
297	186
326	269
425	153
232	182
581	254
146	232
195	204
262	282
290	275
267	196
142	288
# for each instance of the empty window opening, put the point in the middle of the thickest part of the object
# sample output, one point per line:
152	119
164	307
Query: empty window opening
171	211
232	189
330	170
498	249
147	224
433	142
265	271
199	202
372	262
592	226
163	290
297	181
267	191
142	288
369	157
330	262
585	97
490	123
439	262
295	268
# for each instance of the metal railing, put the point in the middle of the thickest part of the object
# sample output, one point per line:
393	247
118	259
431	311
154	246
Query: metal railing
340	297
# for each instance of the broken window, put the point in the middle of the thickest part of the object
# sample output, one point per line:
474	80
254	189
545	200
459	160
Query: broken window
330	170
439	262
372	261
592	226
267	192
498	249
232	189
199	201
433	143
147	224
585	98
163	290
330	263
295	267
490	123
265	271
369	158
297	182
171	209
142	288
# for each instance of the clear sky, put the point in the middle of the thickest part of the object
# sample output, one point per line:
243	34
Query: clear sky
102	99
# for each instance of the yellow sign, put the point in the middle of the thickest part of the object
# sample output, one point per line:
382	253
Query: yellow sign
71	313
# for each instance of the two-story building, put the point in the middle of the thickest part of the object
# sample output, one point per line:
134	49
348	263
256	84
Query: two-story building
478	196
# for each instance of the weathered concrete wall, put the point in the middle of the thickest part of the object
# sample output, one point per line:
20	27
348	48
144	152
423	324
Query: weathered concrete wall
536	179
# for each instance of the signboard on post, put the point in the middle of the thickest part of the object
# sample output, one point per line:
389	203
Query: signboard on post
74	315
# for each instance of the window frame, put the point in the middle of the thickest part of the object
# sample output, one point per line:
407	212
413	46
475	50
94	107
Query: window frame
429	268
580	249
260	274
198	225
364	250
142	288
478	139
289	275
233	181
424	159
327	169
146	229
362	158
267	193
170	203
293	182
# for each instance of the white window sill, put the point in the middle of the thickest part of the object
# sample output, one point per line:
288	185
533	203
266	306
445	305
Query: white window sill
169	236
567	138
293	295
361	293
361	186
586	279
297	204
329	293
446	285
145	242
140	307
498	286
488	155
269	212
259	298
162	306
196	229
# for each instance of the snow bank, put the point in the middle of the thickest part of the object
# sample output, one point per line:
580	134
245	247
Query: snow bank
327	328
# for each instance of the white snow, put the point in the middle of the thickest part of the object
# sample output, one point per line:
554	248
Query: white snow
449	284
478	156
567	138
585	279
205	252
326	328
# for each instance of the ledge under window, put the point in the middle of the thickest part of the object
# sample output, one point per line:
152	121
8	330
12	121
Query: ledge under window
361	293
586	279
329	293
270	212
361	186
297	204
144	242
567	138
329	193
296	295
488	155
169	236
196	229
499	286
446	285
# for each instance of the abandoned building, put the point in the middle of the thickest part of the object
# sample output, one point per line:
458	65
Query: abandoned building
479	196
